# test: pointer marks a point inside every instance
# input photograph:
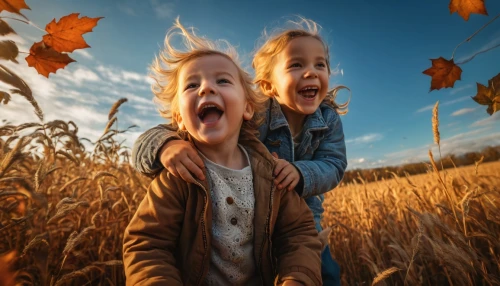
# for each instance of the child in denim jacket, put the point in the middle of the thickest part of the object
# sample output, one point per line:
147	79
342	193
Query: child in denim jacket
301	126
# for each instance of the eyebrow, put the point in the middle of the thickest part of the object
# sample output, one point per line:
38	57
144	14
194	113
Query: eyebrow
197	76
299	58
225	73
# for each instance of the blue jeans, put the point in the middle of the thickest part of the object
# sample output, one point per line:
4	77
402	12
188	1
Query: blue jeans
330	269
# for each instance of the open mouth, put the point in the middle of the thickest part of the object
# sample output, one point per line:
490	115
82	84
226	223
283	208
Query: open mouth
209	113
309	91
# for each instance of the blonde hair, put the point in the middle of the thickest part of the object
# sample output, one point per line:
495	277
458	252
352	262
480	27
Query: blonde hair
274	43
167	65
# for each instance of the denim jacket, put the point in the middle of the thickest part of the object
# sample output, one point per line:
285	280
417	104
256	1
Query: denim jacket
320	157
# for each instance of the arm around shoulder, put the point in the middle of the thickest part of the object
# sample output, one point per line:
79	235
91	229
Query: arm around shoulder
150	239
145	150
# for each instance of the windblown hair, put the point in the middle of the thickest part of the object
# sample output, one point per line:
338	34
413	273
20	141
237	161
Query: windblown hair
275	42
167	65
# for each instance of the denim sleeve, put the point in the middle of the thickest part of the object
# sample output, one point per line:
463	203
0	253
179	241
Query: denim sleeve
327	167
145	151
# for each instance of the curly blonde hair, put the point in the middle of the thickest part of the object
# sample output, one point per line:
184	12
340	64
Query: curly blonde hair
167	65
274	43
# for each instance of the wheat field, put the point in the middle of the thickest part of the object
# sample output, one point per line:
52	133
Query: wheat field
63	210
420	230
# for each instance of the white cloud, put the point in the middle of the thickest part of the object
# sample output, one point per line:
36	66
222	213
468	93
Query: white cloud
487	121
494	42
459	144
463	111
425	108
129	79
84	53
459	89
368	138
77	77
163	9
449	102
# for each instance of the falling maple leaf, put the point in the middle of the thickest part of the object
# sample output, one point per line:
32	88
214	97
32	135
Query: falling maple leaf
465	7
66	35
489	95
444	73
13	6
46	60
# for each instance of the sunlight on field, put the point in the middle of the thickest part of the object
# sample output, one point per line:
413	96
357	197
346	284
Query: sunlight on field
63	210
433	234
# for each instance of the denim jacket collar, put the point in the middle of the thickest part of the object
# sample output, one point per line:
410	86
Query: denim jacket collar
277	119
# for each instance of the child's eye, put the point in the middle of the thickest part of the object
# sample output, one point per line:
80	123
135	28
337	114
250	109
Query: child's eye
223	80
322	65
190	85
295	65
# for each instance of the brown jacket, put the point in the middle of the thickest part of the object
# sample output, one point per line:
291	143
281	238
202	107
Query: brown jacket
168	240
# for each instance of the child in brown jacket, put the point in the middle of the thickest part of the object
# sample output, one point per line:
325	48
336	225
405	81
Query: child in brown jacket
235	228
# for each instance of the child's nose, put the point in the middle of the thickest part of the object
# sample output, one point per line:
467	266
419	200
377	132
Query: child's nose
310	73
206	88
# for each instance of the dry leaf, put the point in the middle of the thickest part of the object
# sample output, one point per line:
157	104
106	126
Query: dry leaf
489	95
444	73
66	35
5	29
13	6
9	51
4	97
46	60
465	7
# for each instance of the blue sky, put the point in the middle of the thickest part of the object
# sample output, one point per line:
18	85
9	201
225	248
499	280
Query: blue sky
382	47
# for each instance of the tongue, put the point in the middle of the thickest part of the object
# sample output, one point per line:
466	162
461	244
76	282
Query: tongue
211	116
308	93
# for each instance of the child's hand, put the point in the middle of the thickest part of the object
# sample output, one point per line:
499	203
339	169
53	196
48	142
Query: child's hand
291	283
287	176
181	159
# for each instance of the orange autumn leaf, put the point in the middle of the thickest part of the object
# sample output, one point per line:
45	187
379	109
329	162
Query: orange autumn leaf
46	60
444	73
13	6
490	95
465	7
66	35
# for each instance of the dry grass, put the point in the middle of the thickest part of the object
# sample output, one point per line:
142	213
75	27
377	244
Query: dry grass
63	211
410	224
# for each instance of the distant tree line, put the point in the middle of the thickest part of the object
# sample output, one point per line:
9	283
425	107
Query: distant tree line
370	175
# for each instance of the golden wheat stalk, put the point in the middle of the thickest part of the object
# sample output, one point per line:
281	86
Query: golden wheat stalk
114	108
384	275
110	123
435	123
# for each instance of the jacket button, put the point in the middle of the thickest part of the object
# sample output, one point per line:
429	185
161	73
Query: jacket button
229	200
234	221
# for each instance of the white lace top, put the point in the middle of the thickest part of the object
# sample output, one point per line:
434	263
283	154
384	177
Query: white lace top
231	260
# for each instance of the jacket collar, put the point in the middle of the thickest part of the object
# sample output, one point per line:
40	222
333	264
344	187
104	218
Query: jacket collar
277	119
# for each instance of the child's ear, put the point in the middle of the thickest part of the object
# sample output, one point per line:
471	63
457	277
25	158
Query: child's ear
178	119
248	112
267	88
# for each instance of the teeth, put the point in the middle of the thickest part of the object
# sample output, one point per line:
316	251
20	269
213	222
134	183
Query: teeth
209	106
309	88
